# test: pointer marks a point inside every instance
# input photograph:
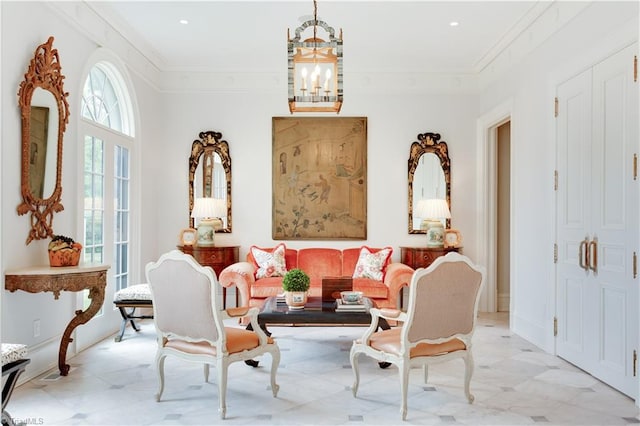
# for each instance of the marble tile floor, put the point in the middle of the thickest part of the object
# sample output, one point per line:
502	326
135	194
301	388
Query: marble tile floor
515	383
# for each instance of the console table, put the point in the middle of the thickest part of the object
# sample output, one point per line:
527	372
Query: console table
71	278
422	257
217	257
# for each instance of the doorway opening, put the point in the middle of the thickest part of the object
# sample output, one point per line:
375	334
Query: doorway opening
493	222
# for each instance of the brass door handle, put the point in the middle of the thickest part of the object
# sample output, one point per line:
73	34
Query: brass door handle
592	255
583	259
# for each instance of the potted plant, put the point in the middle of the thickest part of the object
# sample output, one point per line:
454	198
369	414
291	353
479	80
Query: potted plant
295	285
63	251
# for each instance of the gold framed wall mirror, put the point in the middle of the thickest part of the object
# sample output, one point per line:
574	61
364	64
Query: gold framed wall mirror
45	113
210	174
429	176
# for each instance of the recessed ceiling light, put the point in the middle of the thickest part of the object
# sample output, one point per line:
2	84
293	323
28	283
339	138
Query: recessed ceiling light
184	21
454	23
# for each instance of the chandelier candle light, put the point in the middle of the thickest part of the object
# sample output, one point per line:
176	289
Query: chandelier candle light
315	69
210	212
432	212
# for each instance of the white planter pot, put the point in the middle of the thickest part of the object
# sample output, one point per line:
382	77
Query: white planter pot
295	299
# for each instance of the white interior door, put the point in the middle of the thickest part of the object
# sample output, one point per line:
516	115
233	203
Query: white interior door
615	218
597	221
574	302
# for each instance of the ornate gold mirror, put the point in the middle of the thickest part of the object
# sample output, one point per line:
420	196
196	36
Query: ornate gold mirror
45	114
429	176
210	174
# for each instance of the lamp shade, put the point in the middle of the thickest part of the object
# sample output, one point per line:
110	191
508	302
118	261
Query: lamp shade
434	208
208	207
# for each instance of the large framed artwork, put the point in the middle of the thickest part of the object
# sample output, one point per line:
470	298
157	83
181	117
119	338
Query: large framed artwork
319	177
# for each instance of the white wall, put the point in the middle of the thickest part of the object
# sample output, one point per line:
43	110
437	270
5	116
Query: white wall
530	87
24	27
245	122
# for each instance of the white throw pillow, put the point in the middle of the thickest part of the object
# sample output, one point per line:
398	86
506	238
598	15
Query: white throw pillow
270	263
370	265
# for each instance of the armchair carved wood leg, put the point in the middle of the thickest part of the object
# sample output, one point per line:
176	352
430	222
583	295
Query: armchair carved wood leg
355	366
275	362
404	386
222	367
468	372
160	371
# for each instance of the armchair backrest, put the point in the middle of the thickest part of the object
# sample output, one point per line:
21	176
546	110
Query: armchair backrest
443	300
184	298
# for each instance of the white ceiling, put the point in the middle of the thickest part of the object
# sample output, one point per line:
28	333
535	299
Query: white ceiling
386	36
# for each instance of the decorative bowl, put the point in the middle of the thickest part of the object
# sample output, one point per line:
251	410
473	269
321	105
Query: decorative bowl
65	257
351	297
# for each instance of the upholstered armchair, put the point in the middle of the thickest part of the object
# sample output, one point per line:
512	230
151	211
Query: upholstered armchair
437	327
190	324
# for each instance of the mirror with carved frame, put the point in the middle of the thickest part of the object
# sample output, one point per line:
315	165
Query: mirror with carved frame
429	175
45	113
210	173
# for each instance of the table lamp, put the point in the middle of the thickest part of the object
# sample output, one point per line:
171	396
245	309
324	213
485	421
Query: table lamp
432	212
209	211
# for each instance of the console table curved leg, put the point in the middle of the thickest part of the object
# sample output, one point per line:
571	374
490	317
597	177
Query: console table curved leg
96	294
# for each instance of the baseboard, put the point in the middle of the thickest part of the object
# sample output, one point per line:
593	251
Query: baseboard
504	300
536	334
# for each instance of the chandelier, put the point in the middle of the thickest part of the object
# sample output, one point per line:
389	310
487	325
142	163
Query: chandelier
315	69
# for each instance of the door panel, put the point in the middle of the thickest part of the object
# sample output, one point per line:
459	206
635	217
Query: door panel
597	136
573	132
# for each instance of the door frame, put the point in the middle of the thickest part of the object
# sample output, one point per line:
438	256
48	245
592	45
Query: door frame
486	207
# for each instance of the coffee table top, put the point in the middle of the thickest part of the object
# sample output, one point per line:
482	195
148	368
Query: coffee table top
315	312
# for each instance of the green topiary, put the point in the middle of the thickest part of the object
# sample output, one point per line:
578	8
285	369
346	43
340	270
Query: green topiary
296	280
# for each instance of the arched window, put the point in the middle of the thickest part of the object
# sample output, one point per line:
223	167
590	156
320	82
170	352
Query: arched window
108	133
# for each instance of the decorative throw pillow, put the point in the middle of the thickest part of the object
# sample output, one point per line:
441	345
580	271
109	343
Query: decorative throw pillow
270	263
370	265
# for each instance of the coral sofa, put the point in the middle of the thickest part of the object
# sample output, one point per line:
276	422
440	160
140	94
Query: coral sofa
260	276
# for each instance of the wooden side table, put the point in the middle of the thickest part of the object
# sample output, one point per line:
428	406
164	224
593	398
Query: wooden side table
55	280
422	257
217	257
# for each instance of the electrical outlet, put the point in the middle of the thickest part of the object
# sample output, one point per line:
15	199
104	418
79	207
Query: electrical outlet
36	328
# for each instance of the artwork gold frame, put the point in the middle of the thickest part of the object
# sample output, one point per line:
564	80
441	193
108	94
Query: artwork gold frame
319	178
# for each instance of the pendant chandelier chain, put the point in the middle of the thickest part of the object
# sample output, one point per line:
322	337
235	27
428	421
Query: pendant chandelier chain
315	27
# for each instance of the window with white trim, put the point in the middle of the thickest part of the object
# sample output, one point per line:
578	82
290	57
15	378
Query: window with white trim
108	133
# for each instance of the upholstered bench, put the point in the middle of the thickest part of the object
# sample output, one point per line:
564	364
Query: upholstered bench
132	297
14	362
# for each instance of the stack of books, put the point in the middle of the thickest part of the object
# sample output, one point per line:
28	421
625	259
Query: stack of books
350	307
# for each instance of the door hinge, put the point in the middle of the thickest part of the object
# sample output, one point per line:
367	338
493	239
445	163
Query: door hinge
555	326
635	363
635	166
555	180
635	68
635	265
555	252
555	107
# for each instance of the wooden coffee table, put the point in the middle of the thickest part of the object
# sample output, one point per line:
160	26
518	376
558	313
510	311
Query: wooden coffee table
315	312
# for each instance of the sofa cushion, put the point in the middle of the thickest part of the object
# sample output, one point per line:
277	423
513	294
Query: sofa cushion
319	263
269	263
371	263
